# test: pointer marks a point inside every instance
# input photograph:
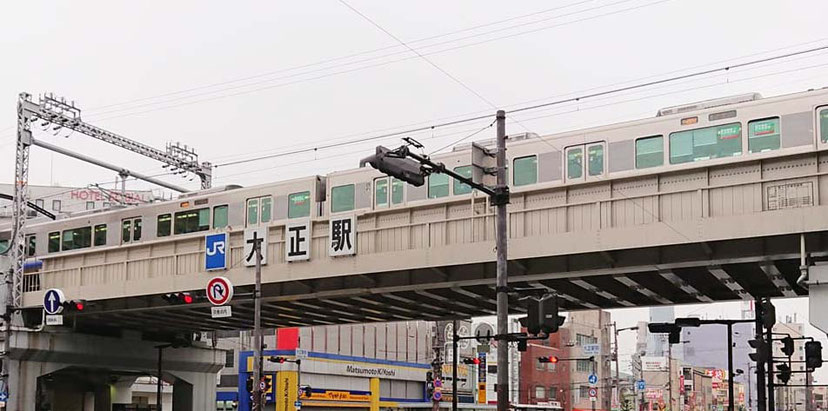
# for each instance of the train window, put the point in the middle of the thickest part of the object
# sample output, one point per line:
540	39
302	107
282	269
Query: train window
266	208
252	211
397	191
164	225
299	205
136	229
823	125
525	170
574	163
459	186
706	143
100	234
220	216
649	152
126	230
191	221
763	135
381	192
56	205
31	245
342	198
595	159
438	185
77	238
54	242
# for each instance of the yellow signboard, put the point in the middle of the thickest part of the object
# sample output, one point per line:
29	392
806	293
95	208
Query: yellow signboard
481	393
339	396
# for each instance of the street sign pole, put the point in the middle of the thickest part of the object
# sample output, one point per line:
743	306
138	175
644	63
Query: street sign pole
454	362
257	328
502	198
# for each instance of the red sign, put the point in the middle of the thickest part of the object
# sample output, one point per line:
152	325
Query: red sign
219	290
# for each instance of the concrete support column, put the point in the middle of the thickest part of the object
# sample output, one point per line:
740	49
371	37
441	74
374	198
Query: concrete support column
375	394
122	391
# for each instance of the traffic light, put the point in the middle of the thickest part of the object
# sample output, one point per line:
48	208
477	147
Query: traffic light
550	359
179	298
768	315
784	373
471	361
762	352
280	360
429	384
74	305
532	319
787	346
550	321
395	164
522	345
813	355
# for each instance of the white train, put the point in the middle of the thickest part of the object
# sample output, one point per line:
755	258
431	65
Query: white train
729	130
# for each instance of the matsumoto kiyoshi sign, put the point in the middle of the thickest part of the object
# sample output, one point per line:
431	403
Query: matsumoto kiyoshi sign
370	371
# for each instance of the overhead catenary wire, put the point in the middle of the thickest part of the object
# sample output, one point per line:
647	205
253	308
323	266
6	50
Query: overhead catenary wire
532	107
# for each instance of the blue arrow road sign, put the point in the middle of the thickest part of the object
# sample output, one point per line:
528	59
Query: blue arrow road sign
215	257
593	379
4	396
641	385
53	301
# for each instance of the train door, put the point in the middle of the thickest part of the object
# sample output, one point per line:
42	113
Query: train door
388	192
586	162
131	230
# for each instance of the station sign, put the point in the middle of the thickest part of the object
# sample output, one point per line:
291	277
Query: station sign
297	244
342	235
251	236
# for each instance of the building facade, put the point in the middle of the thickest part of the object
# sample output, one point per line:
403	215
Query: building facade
65	200
792	398
547	383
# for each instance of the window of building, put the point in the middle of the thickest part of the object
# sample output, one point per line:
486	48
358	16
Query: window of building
164	225
191	221
31	245
90	205
381	192
229	359
525	171
299	205
551	366
649	152
220	216
823	125
763	135
342	198
438	185
574	163
56	205
54	242
540	392
397	191
459	186
706	143
595	159
583	391
105	205
553	393
100	234
583	339
539	365
39	202
77	238
583	365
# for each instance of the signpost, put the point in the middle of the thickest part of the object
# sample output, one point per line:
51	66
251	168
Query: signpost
53	305
219	293
593	379
591	350
593	394
215	257
641	385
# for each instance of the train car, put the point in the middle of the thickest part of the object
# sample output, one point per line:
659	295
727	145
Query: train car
716	132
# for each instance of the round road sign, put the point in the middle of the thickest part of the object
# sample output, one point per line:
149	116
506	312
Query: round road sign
219	291
53	301
593	392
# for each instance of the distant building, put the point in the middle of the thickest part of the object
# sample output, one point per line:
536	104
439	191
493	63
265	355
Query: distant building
657	343
792	398
706	347
546	383
65	200
698	389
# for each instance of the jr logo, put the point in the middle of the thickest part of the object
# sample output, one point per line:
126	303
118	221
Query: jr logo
215	251
217	247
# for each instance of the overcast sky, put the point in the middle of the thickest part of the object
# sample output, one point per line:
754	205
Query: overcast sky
239	79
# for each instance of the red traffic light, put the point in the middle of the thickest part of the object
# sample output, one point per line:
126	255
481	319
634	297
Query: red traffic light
179	298
280	360
471	361
188	299
553	359
74	305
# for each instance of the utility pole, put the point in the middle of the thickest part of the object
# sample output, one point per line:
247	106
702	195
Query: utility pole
615	354
771	386
257	329
454	338
502	261
670	376
730	399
